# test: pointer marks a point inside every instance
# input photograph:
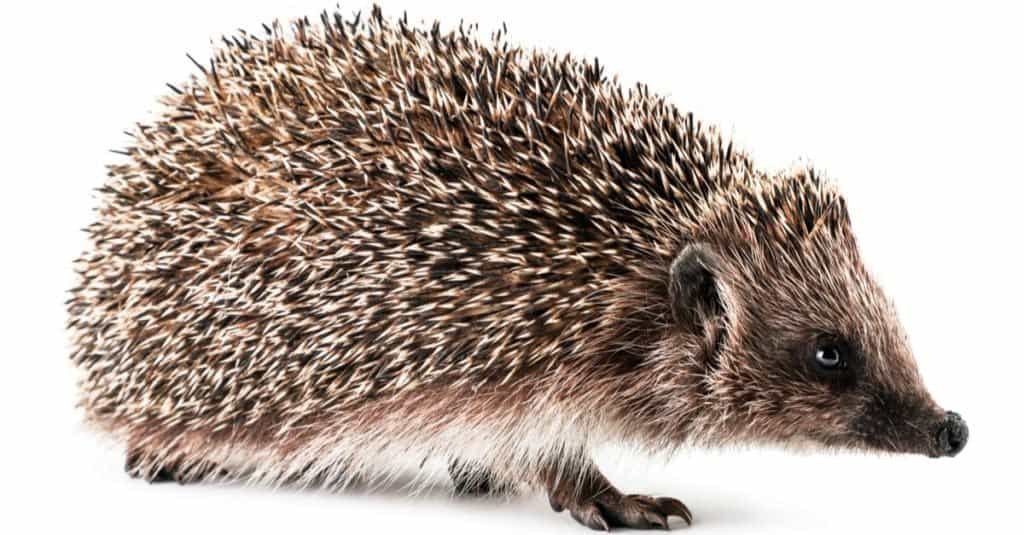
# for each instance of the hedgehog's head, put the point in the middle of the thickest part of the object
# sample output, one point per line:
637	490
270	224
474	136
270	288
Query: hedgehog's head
801	345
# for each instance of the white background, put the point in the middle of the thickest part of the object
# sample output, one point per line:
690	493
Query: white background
915	110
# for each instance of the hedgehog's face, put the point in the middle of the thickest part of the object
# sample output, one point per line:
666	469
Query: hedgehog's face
803	347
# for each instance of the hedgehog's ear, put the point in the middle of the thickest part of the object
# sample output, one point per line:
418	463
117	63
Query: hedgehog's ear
692	289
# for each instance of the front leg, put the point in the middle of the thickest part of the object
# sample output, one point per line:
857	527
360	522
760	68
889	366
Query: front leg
597	504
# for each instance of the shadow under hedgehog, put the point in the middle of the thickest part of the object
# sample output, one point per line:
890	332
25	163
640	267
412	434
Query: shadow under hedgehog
347	247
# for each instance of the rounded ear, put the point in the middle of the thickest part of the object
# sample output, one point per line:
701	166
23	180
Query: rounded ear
692	290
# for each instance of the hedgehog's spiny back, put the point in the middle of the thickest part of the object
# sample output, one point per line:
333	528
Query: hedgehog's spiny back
358	210
430	112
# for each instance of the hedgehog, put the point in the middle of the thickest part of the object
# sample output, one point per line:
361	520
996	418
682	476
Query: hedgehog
347	248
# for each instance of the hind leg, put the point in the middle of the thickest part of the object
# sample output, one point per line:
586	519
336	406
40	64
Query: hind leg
153	470
471	479
135	467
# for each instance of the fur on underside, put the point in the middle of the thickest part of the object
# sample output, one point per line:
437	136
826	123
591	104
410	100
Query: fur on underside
395	442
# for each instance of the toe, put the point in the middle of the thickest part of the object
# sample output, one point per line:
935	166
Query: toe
655	519
638	512
590	515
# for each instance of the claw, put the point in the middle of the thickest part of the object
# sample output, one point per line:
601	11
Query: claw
674	507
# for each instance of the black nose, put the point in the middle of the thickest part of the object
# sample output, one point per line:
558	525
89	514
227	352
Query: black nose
952	436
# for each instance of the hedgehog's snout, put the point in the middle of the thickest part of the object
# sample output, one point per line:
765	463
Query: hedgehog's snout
951	436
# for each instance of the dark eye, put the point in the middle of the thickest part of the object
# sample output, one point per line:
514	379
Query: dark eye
829	357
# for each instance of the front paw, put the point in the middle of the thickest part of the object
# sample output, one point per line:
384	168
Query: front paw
609	509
